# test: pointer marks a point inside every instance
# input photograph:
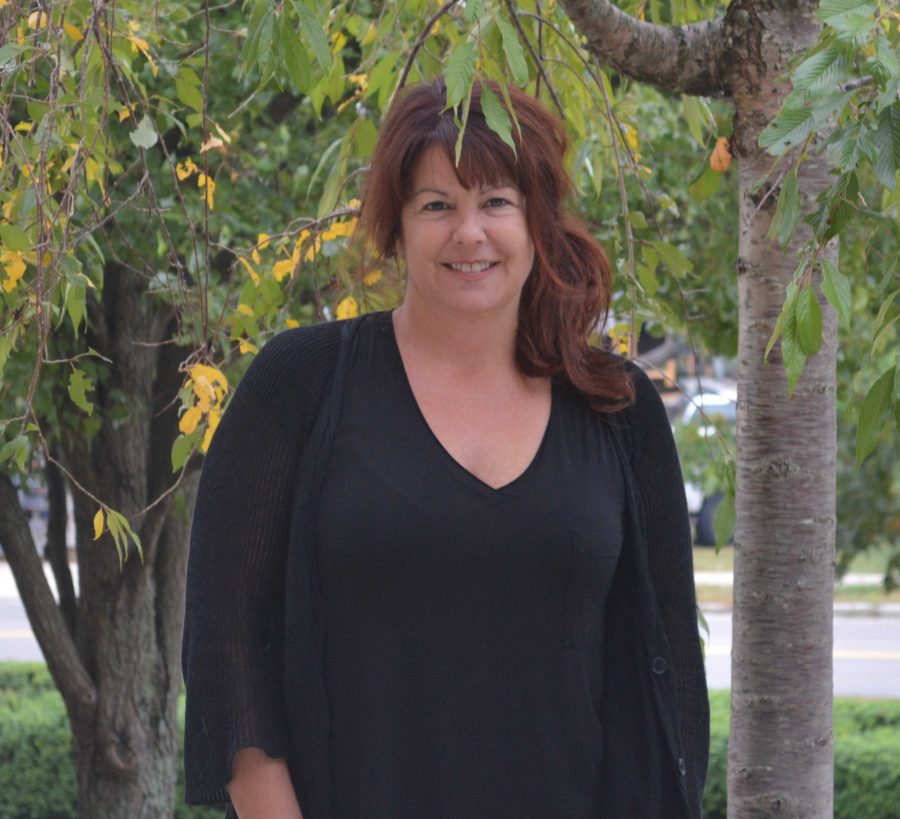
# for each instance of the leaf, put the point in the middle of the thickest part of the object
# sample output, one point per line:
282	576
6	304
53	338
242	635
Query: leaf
787	212
648	280
15	239
76	296
787	130
637	219
460	72
673	258
836	287
15	450
873	414
473	10
98	523
296	60
515	54
809	322
79	384
496	117
120	527
790	297
314	34
181	450
792	356
887	146
382	73
723	522
699	117
144	136
705	185
189	94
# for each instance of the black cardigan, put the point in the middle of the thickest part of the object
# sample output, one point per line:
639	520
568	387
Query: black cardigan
252	655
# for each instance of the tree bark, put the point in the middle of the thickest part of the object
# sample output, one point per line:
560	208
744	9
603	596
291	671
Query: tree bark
781	746
117	662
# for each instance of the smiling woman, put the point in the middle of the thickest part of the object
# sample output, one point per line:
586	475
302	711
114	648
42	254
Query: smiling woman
441	562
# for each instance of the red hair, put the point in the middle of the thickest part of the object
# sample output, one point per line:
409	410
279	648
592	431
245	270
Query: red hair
567	295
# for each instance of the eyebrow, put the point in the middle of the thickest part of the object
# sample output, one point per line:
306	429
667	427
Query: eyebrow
484	189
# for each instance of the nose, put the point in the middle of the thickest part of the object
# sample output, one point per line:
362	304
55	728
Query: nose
468	228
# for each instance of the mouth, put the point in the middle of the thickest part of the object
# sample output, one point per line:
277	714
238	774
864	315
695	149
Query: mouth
471	267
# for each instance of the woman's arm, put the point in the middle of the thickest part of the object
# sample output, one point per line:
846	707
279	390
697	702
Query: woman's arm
260	787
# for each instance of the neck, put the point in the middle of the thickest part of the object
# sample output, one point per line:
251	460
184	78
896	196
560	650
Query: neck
474	343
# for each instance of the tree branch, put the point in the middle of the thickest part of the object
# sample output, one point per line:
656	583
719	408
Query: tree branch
56	551
684	59
50	628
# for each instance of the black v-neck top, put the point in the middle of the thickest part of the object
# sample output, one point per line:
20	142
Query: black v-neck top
464	624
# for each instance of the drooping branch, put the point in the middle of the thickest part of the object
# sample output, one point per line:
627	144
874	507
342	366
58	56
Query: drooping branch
684	59
50	628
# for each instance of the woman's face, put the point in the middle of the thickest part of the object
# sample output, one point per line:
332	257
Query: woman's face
465	250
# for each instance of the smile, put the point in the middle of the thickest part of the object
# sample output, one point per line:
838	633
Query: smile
473	267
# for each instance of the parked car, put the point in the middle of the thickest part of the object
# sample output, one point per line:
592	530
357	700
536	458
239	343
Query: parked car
706	423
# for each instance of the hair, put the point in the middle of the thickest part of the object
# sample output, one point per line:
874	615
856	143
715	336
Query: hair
566	297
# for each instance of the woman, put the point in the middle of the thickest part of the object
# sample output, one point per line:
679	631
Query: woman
441	562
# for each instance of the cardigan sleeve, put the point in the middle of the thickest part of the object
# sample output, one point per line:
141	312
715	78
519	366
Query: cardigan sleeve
670	562
232	648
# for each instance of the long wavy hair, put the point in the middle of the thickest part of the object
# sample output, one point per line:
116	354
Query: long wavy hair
566	297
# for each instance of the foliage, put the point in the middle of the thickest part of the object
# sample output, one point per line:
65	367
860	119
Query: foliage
37	776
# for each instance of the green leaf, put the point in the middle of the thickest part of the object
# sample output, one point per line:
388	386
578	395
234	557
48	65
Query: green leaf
296	60
832	11
382	73
723	522
705	185
699	118
15	450
120	529
496	117
808	76
181	450
836	287
792	356
648	280
79	384
473	10
189	94
144	136
873	414
637	219
461	124
14	238
887	146
76	294
515	54
787	212
787	130
809	322
460	72
314	34
673	258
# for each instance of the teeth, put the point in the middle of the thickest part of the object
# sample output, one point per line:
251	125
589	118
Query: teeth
478	267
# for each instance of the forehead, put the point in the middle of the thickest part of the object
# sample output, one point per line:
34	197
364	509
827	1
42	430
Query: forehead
434	170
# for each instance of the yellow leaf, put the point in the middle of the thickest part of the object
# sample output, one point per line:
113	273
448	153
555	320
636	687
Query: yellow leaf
245	310
73	32
211	426
370	35
38	19
188	422
253	274
372	277
24	126
213	374
353	204
348	308
262	241
134	26
362	80
436	28
246	347
283	268
20	35
721	156
184	169
212	142
291	323
339	42
204	181
138	43
98	523
223	134
14	265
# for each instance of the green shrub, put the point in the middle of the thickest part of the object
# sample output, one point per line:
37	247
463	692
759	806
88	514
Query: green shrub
37	772
866	759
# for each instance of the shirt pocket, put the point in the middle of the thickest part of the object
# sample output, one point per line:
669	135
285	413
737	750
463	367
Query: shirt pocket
593	559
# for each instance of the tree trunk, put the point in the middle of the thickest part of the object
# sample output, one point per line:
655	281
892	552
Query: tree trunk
117	662
781	747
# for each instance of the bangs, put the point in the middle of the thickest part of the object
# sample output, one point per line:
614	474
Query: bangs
485	159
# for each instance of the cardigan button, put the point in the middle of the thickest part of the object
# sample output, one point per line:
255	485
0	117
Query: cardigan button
659	666
682	768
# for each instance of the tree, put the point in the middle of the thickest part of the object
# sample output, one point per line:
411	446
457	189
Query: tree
136	207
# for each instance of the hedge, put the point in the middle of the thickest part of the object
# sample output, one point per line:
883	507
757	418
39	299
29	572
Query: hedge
37	777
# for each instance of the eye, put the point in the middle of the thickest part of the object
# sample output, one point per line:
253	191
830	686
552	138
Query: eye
434	206
497	202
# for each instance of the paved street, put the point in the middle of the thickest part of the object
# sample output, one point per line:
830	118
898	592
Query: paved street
866	645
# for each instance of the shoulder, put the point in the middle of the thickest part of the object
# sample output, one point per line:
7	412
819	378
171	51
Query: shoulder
644	422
